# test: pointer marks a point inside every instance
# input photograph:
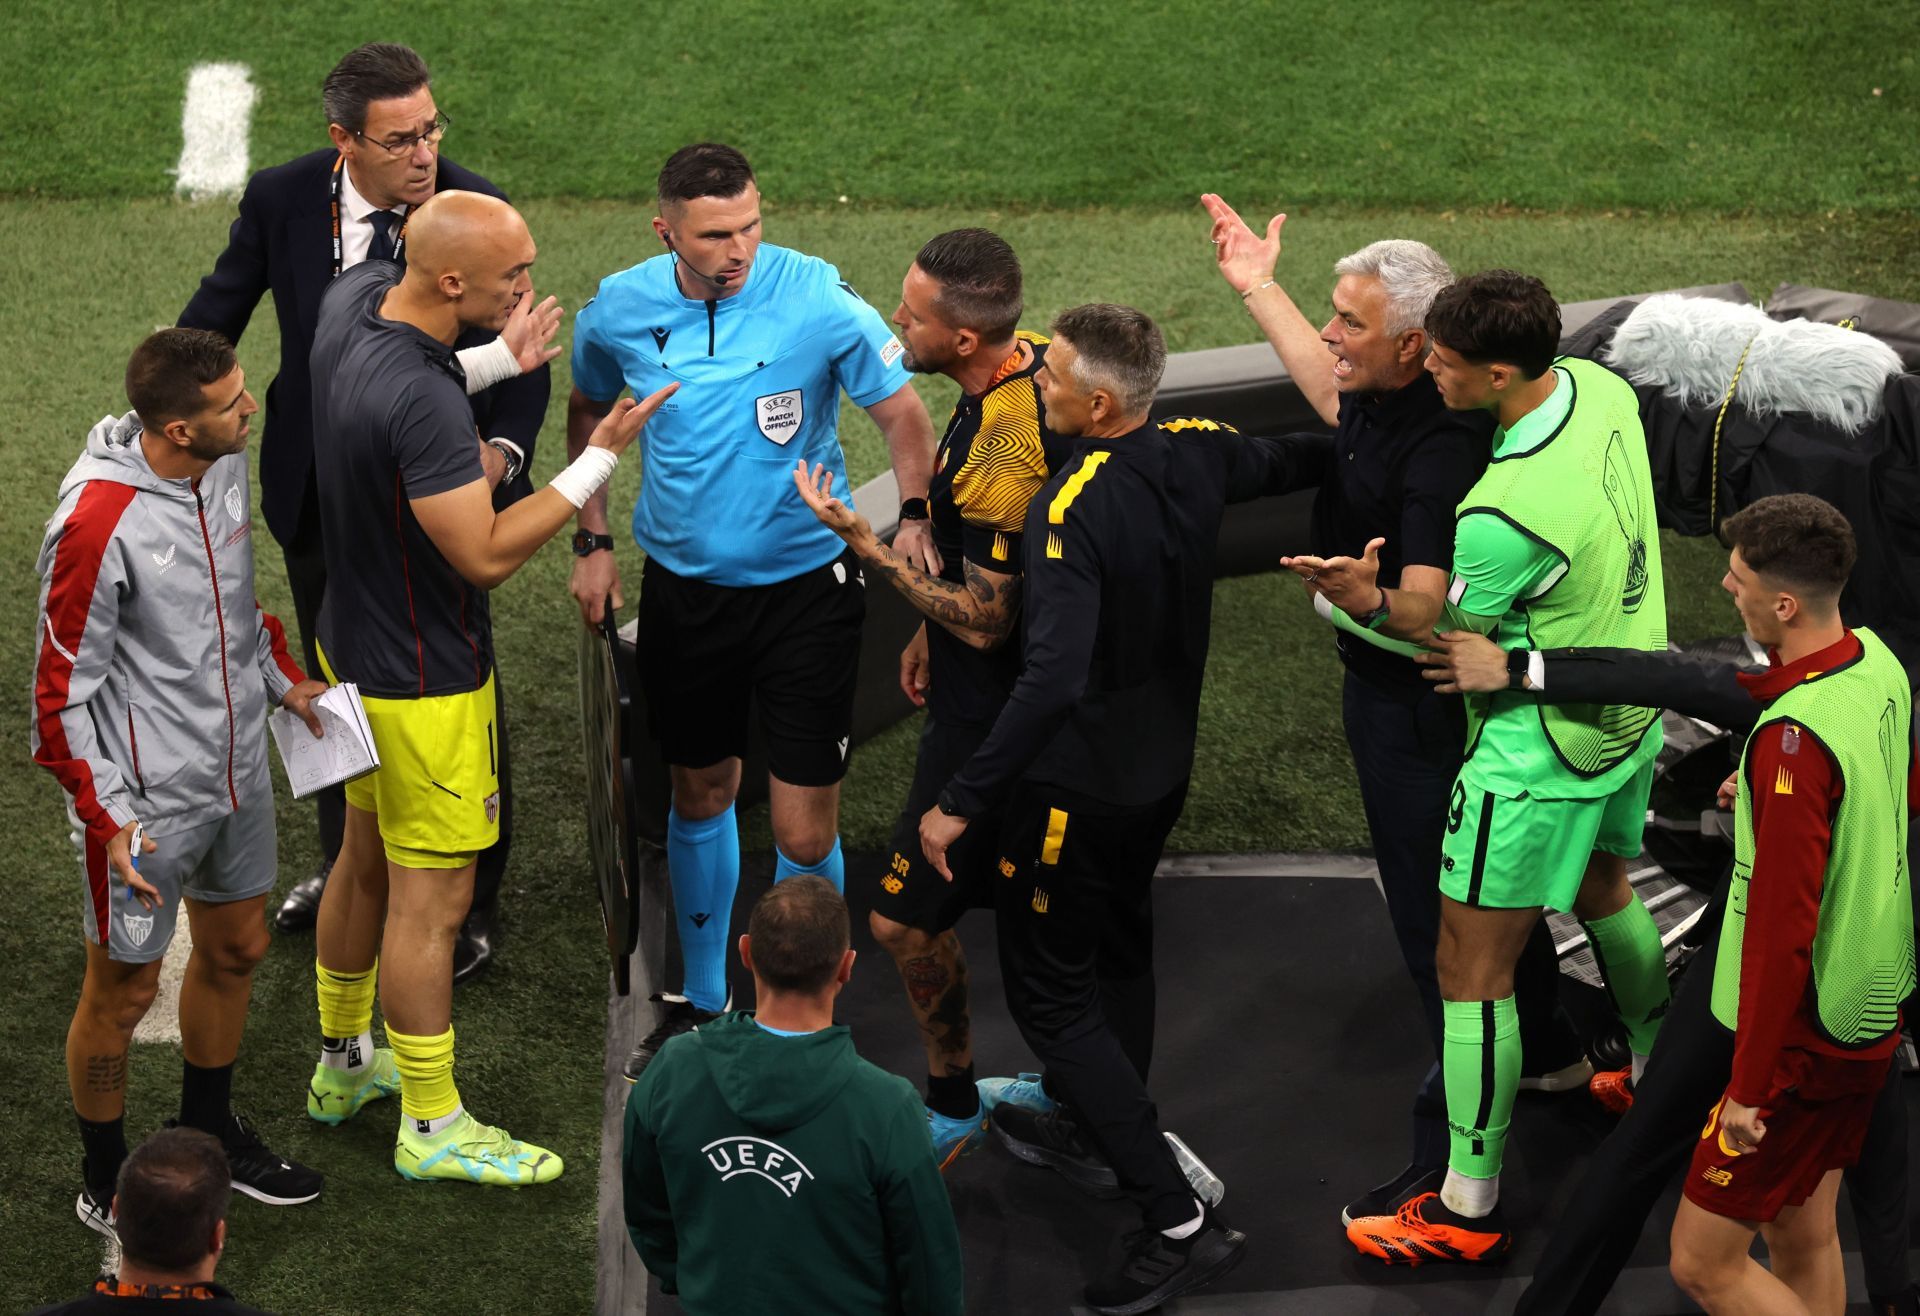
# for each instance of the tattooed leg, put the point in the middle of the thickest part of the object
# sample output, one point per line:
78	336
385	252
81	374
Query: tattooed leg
113	999
934	969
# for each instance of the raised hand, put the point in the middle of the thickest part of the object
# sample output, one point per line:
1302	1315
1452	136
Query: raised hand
816	490
529	332
620	427
1351	584
1245	259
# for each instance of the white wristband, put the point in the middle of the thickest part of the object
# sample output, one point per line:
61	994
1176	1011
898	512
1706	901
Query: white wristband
488	364
1537	669
581	480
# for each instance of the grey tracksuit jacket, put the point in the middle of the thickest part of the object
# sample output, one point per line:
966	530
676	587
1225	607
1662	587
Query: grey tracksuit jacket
155	665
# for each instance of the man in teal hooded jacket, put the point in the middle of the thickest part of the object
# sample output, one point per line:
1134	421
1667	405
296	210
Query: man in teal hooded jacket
768	1167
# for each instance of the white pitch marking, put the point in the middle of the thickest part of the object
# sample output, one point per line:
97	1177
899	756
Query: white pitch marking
213	131
162	1022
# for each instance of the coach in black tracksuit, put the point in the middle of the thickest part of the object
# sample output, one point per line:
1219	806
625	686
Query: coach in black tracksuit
1091	756
300	224
1689	1066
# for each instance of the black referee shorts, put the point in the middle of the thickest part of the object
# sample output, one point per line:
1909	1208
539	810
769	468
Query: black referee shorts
707	653
910	891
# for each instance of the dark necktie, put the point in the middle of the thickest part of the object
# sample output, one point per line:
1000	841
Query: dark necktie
381	247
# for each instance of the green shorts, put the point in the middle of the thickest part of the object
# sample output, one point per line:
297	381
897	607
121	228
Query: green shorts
1507	852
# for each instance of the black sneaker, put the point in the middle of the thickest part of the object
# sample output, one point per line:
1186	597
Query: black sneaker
262	1173
1158	1268
95	1209
1389	1197
680	1016
1052	1138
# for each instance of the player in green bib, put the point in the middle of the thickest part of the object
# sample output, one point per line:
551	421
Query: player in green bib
1555	546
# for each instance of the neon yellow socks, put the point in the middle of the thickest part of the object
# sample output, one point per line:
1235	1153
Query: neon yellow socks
427	1092
346	1015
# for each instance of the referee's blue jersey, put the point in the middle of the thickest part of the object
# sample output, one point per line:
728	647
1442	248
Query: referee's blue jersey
759	374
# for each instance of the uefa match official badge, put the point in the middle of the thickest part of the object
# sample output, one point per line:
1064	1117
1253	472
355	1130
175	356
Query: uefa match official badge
778	415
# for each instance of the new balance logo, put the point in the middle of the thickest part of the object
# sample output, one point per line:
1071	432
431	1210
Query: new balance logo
699	920
1006	867
778	1166
1053	545
163	561
892	884
1040	901
1718	1177
1782	782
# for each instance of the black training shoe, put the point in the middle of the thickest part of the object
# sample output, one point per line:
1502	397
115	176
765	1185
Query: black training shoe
1389	1197
1158	1268
262	1173
302	905
95	1209
1052	1138
680	1016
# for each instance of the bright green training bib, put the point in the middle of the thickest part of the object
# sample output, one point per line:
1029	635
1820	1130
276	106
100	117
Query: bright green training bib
1862	711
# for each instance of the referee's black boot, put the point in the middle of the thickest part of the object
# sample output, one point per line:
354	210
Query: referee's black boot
473	952
679	1016
1158	1268
302	905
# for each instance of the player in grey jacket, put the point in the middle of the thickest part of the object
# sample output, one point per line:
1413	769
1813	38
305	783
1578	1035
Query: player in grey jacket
155	671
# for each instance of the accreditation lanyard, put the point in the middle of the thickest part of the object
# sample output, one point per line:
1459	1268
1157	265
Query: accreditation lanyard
399	239
1011	366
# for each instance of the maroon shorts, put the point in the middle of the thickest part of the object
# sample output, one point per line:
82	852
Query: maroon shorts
1816	1119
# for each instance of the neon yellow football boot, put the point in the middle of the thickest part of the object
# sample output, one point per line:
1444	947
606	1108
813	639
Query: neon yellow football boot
335	1096
471	1152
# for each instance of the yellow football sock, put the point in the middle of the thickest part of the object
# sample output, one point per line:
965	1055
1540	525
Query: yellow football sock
346	1000
426	1074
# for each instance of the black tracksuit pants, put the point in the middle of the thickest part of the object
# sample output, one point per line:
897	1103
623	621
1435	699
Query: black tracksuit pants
1074	911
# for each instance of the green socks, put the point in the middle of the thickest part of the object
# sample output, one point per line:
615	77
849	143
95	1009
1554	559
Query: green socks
1634	964
1481	1062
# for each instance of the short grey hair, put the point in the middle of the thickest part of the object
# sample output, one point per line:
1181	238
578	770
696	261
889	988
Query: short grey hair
1411	273
1116	348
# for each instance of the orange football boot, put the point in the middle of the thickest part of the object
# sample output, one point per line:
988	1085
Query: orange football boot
1426	1230
1613	1088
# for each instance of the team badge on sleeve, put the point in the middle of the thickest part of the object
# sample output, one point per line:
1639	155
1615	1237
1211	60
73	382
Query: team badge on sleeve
778	415
890	350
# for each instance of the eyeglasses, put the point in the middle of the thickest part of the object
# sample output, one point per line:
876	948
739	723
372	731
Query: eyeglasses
406	145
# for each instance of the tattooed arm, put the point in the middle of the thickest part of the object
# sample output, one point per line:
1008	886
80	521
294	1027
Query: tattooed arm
980	609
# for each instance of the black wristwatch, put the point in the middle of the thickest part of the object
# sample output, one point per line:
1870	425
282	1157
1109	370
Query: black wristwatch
1373	616
586	543
944	803
914	509
1517	660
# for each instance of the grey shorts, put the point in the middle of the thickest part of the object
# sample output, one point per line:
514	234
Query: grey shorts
228	859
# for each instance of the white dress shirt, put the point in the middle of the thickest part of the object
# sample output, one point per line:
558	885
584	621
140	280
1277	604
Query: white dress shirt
356	229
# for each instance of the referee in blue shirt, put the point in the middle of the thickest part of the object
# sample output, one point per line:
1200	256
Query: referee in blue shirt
745	595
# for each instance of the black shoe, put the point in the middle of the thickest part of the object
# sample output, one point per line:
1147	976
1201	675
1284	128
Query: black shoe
262	1173
681	1016
95	1209
1389	1197
302	905
473	952
1906	1303
1158	1268
1052	1138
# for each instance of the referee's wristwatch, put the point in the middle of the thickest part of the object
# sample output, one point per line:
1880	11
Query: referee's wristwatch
586	543
914	509
944	803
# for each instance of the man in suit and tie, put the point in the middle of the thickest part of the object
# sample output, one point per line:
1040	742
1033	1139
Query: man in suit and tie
300	224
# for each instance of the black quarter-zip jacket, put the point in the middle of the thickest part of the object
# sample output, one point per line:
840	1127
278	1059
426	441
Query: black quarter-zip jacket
1119	558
